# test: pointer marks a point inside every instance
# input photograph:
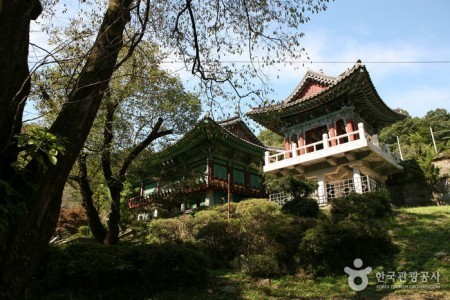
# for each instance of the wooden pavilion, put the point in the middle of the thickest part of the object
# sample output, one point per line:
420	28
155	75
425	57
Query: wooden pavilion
330	126
212	159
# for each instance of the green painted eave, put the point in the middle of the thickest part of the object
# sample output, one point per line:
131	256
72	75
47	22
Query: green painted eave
208	131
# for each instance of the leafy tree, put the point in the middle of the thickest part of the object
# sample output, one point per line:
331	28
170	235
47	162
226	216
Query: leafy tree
200	33
140	99
301	203
269	138
289	184
416	141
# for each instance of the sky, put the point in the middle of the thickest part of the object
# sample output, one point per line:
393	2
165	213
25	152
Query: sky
385	35
405	45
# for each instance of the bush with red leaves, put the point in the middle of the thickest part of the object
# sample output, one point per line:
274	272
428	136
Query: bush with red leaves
70	220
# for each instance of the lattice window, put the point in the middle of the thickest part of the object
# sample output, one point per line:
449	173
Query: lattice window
280	198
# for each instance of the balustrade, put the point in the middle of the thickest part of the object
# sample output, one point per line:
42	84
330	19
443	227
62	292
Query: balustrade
327	143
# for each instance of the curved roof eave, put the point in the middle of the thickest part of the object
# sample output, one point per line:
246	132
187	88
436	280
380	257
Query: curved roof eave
279	110
200	134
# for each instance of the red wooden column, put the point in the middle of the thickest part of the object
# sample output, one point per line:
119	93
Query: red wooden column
349	128
301	143
339	131
332	134
308	134
287	145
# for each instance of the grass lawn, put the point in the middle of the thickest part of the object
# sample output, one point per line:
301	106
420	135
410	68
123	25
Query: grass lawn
420	233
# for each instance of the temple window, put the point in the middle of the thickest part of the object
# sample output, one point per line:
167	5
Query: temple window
239	176
220	171
255	180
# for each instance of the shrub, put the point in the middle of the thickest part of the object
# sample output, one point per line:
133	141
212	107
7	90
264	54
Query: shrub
361	206
83	269
353	231
291	185
84	230
221	241
223	209
302	207
329	247
285	234
259	265
203	218
264	228
70	220
172	266
255	208
257	225
169	231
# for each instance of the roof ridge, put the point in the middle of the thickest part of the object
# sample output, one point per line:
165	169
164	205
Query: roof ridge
310	75
230	119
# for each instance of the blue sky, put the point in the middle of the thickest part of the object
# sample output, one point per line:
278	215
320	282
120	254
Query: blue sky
390	32
383	31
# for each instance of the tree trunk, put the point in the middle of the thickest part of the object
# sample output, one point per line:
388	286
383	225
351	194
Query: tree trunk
95	224
115	182
15	17
112	237
30	203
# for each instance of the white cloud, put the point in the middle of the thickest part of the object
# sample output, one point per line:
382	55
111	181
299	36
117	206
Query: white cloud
417	88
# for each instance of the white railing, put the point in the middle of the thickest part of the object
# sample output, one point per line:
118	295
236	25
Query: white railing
342	188
280	198
336	189
328	142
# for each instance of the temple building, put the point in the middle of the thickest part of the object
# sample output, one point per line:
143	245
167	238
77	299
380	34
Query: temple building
202	168
330	126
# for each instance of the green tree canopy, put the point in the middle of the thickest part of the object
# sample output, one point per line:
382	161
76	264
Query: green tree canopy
270	138
201	34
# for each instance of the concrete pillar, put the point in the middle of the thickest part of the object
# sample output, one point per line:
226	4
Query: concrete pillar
266	158
209	198
321	192
361	131
294	150
325	141
294	145
357	180
375	140
287	145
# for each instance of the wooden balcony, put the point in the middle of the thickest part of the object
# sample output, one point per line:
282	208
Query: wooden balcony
332	152
199	186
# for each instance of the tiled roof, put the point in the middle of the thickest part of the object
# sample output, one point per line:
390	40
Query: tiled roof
354	81
208	129
314	76
236	121
230	121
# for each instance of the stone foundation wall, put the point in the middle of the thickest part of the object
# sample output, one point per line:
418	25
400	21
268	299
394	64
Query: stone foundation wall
410	189
410	193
